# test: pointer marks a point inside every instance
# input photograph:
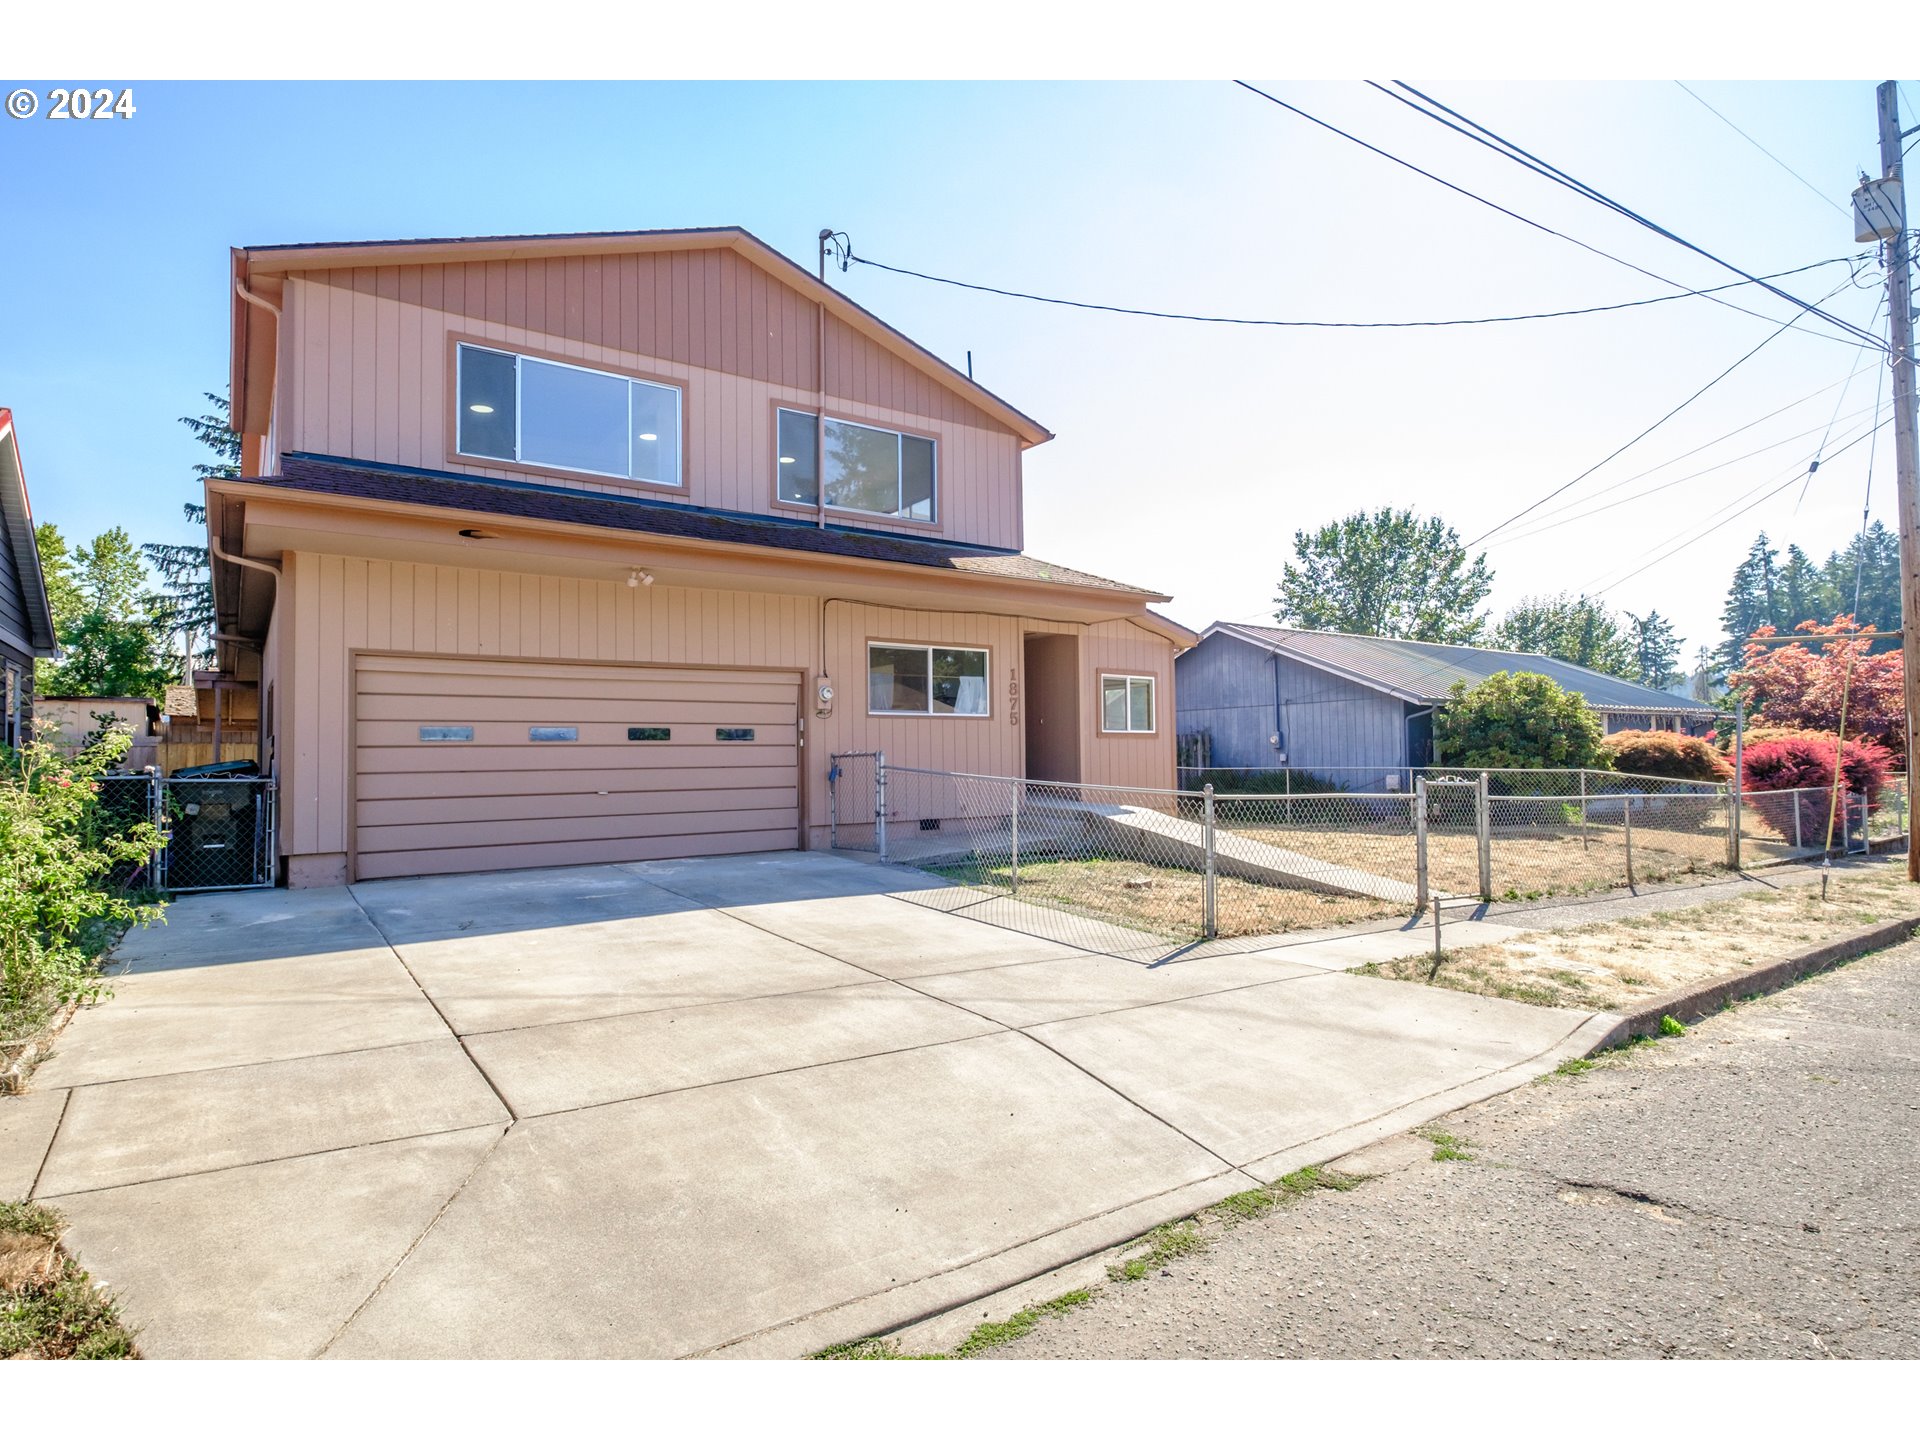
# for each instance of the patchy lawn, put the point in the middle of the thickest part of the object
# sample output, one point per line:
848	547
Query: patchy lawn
1164	900
50	1309
1615	964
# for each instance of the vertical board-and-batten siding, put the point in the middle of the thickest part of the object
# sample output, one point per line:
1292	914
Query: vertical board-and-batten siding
332	606
1227	689
13	614
367	373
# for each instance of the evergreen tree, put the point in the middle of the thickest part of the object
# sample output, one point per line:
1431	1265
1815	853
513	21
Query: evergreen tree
1656	649
1801	591
1876	557
184	568
1751	601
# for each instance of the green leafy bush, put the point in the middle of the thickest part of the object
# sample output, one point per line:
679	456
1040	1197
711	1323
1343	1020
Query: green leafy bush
1667	755
58	849
1519	720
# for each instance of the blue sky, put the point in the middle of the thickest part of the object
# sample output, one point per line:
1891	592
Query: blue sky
1187	455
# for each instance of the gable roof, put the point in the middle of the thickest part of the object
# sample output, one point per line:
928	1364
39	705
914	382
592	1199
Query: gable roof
26	555
1425	672
253	342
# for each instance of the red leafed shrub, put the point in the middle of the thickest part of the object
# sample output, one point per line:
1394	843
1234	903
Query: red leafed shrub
1665	754
1804	764
1812	685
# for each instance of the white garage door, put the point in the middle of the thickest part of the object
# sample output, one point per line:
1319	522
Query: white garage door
502	764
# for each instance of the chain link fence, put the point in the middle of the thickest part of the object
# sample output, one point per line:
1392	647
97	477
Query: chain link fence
1142	872
216	832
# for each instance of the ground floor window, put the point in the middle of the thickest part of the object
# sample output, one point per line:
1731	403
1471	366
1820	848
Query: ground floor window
926	680
1126	704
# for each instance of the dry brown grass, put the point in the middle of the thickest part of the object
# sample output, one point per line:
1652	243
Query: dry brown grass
1167	901
1616	964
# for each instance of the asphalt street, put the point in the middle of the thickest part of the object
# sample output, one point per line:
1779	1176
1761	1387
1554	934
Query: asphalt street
1749	1189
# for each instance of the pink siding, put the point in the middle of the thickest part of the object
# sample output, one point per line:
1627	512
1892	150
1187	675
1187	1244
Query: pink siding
366	371
332	606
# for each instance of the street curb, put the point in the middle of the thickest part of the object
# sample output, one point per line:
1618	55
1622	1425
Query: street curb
1696	1002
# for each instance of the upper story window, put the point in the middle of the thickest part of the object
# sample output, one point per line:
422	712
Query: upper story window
566	417
874	471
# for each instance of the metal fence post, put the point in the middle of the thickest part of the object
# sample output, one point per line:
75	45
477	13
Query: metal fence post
1421	889
1288	777
157	807
1483	828
1018	787
1208	918
880	802
1583	811
1733	824
1796	819
1626	818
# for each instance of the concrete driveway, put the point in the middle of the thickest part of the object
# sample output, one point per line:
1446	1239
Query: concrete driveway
743	1106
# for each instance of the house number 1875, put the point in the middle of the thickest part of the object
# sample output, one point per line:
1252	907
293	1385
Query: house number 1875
1013	695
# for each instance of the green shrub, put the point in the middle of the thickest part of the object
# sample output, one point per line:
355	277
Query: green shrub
1518	720
1667	755
57	851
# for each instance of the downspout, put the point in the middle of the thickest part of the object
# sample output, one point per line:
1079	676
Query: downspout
820	418
273	396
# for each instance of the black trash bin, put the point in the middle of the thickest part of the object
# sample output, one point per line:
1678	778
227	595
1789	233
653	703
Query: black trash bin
216	821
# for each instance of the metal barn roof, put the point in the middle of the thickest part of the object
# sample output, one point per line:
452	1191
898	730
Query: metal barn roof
1424	672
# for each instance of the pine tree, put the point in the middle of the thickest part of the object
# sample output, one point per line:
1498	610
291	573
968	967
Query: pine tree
1656	649
1751	601
183	568
1801	591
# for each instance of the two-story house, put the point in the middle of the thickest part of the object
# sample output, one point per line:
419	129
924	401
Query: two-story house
571	548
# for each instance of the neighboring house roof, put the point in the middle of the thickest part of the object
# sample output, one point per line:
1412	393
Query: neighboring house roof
407	485
26	555
250	348
1425	673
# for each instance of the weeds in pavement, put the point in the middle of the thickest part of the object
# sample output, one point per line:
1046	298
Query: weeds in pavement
1671	1026
1164	1243
1569	1067
1249	1204
1447	1147
1001	1332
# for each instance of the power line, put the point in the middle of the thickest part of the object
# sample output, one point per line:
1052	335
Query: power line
1560	489
1821	195
1337	324
1777	489
1836	410
1689	454
1541	529
1527	160
1512	214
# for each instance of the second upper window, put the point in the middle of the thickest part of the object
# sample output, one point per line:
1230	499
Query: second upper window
874	471
566	417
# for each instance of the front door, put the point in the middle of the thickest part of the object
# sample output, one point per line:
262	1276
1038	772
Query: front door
1052	694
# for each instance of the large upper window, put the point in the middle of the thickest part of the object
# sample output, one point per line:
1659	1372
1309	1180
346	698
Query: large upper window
538	412
1126	704
878	472
926	680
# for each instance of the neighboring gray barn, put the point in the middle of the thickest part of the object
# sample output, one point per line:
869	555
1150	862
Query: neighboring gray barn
1320	701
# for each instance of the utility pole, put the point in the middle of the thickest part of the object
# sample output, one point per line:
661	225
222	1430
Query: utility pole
1906	441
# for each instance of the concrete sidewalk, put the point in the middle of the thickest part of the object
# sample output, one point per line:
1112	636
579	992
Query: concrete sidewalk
747	1106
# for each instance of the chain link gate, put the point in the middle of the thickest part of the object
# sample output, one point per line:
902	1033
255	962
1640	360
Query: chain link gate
216	832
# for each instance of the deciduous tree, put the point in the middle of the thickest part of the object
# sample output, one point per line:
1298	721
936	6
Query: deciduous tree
1803	686
1389	573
